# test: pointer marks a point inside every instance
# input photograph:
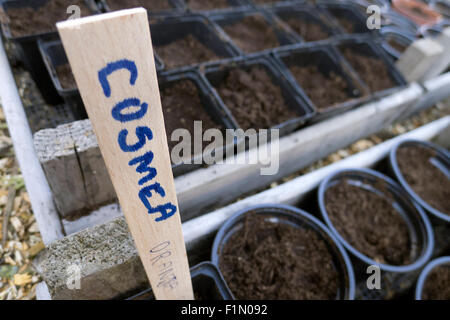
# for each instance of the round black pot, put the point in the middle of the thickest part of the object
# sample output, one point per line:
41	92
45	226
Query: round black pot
299	219
395	279
443	158
426	271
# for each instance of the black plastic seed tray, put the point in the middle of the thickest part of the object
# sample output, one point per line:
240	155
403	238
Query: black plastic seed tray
176	6
284	35
326	60
54	56
220	115
394	40
369	48
169	29
269	3
207	283
230	4
347	17
217	73
288	13
27	45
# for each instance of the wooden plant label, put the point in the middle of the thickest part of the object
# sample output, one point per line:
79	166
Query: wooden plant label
111	57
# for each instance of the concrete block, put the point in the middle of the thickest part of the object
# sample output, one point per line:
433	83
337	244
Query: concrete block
418	59
443	62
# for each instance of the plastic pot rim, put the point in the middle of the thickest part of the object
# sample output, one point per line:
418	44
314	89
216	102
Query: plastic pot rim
399	176
348	267
386	267
426	271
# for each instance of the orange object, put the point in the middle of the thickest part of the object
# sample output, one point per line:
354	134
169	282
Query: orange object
418	12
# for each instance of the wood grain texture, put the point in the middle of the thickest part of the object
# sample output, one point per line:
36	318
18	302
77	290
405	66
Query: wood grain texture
99	45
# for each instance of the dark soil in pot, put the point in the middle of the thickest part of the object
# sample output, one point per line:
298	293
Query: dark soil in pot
372	70
252	34
308	30
427	181
264	260
206	4
151	5
65	76
397	45
323	90
27	21
185	51
182	106
346	24
437	284
253	99
369	223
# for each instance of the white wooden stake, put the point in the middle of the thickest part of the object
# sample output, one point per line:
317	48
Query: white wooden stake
112	60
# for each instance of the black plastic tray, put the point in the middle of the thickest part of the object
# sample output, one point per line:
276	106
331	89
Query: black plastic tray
288	10
326	59
232	5
207	282
350	13
177	7
369	47
219	114
215	73
283	34
397	35
27	46
168	29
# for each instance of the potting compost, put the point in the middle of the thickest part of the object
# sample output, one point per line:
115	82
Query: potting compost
249	64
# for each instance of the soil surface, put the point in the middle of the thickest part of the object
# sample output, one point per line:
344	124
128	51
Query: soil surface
264	260
397	45
65	76
253	99
308	30
182	106
185	51
151	5
323	90
252	34
430	183
372	70
346	24
206	4
369	223
437	284
27	21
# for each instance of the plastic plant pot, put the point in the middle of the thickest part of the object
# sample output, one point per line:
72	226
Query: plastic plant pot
395	35
54	56
27	45
207	282
417	11
440	161
299	219
217	73
347	17
167	30
221	116
288	12
369	48
326	62
441	6
176	6
439	262
283	34
394	19
232	4
394	278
